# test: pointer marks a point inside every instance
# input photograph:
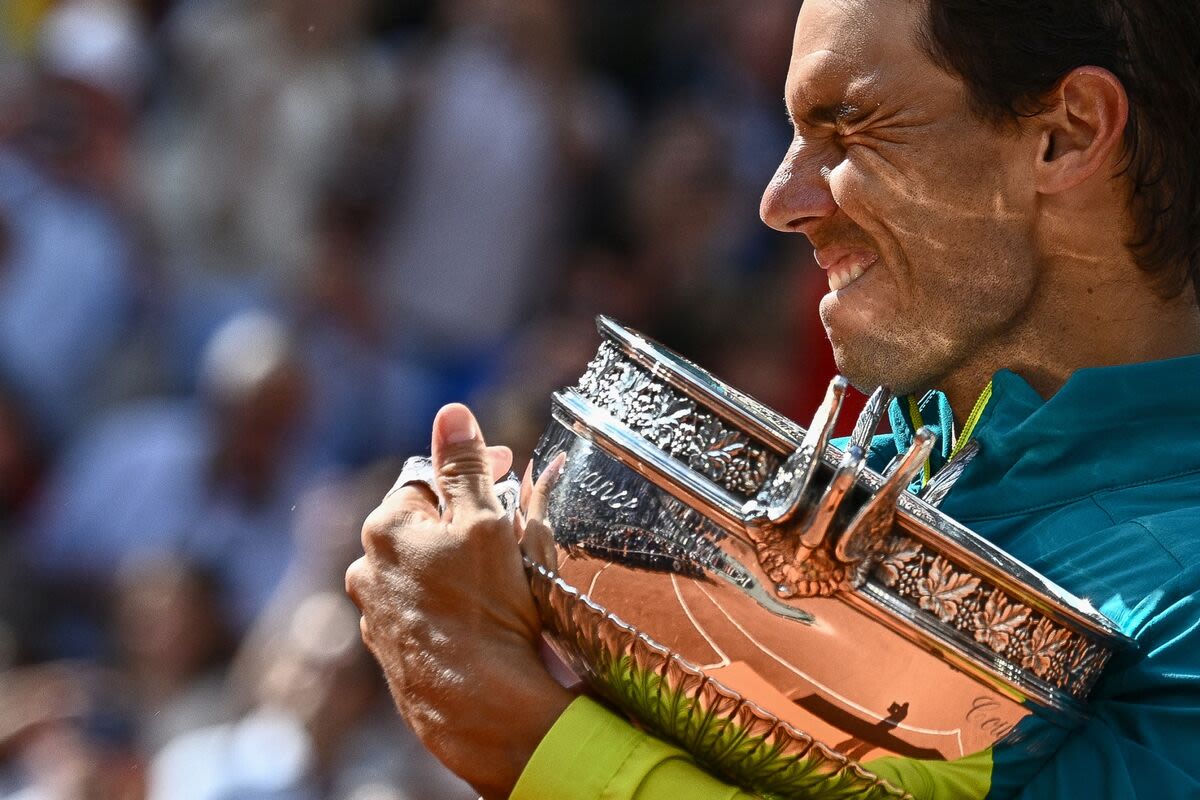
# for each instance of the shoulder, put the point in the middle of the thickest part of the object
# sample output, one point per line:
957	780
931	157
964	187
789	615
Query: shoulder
1154	570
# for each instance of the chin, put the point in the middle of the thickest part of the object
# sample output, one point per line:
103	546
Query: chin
869	365
854	366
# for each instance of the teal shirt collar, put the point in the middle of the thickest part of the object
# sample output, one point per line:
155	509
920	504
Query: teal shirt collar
1036	453
936	415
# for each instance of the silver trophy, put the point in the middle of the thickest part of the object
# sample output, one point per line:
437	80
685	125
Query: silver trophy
744	589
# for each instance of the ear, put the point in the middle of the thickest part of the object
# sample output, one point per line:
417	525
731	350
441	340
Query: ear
1082	128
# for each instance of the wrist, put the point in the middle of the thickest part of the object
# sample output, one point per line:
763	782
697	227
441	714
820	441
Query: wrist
528	701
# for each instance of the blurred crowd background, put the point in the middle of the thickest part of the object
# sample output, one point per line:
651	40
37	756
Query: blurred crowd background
247	248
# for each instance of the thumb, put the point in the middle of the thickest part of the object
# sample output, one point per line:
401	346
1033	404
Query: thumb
461	463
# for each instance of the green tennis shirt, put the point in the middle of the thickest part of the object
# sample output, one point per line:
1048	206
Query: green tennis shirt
1097	488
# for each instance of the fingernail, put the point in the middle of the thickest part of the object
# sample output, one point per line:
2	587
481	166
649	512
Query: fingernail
458	425
554	468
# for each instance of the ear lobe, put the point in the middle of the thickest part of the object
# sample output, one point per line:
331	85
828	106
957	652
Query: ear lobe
1083	127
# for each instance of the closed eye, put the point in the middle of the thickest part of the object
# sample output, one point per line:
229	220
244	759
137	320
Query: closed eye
835	116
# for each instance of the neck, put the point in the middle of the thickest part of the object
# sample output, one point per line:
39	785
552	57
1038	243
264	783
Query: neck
1078	320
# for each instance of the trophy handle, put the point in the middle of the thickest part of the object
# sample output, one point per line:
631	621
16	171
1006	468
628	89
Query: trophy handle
805	544
784	494
873	522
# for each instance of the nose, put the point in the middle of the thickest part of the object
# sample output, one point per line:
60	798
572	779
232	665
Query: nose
798	196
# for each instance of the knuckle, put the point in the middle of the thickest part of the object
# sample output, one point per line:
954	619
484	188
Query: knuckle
466	459
480	522
386	525
356	580
378	523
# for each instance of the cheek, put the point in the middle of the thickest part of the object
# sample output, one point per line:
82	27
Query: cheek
845	179
876	193
875	196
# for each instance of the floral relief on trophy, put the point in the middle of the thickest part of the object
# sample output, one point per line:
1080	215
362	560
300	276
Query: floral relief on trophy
1010	629
944	591
1045	651
999	621
672	422
893	568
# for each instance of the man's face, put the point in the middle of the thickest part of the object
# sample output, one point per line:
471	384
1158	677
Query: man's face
921	214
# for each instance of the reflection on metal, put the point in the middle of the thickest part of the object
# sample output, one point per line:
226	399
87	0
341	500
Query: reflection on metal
941	483
732	734
867	535
868	420
784	495
709	530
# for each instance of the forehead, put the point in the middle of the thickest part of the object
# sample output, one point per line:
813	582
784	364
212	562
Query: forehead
857	40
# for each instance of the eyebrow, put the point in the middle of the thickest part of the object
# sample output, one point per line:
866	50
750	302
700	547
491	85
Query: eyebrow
828	114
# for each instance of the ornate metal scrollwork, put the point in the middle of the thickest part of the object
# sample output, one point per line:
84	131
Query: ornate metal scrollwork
674	423
831	546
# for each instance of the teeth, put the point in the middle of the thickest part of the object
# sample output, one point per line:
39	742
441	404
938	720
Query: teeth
840	280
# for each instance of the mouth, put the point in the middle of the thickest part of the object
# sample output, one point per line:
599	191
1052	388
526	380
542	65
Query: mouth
844	266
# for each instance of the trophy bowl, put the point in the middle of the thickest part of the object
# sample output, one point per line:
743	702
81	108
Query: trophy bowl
739	586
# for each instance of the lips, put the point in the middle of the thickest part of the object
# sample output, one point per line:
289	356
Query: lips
844	265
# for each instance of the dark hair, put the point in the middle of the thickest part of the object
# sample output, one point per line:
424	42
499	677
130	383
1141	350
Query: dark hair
1012	53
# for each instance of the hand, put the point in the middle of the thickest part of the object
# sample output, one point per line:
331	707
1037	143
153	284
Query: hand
448	613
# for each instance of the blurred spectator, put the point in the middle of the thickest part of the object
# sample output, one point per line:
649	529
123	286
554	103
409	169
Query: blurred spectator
248	248
214	481
171	647
65	290
315	729
263	102
678	202
481	207
66	735
91	68
66	254
368	403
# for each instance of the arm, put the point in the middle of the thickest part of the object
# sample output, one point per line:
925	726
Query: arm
592	753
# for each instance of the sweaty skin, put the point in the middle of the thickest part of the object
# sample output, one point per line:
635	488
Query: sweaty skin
955	247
